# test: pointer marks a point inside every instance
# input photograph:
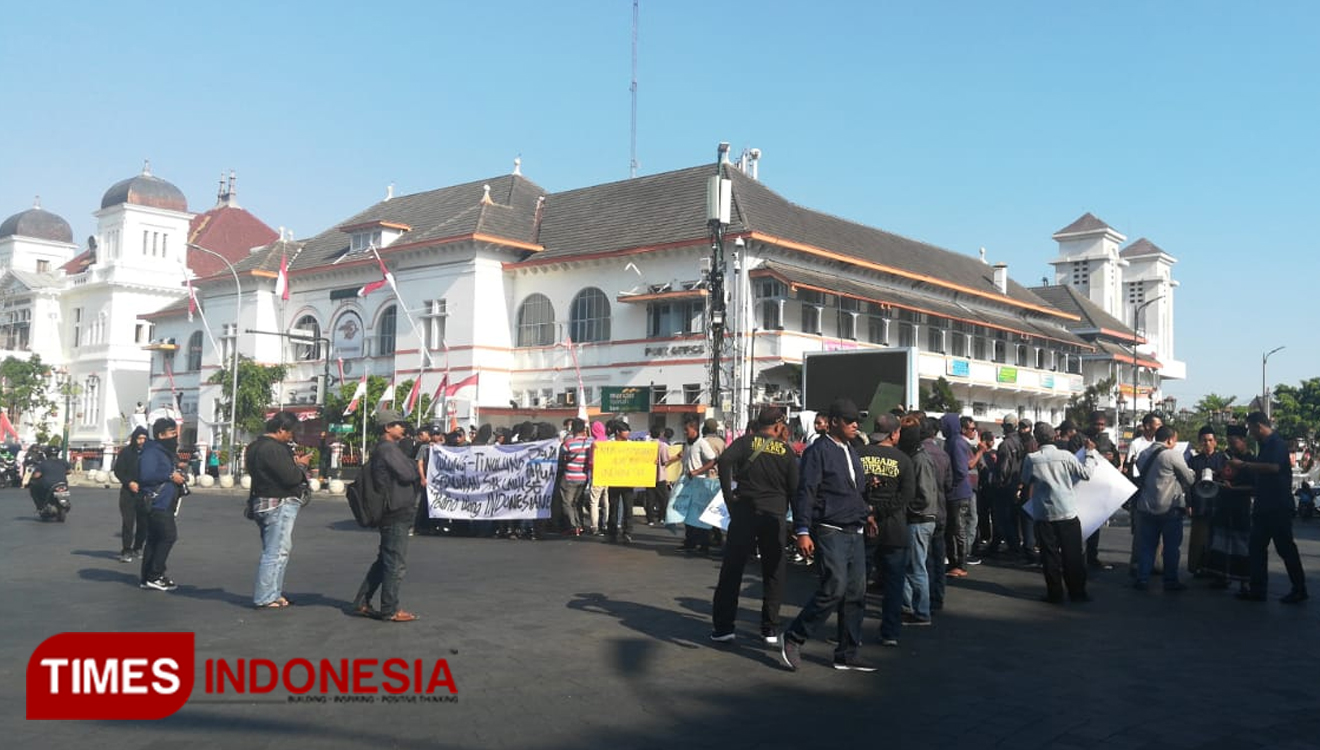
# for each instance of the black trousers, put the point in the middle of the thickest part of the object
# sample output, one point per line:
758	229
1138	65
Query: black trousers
161	535
1273	526
751	530
621	510
133	515
1061	555
654	500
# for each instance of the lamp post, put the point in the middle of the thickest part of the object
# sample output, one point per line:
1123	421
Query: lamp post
233	365
65	382
1136	372
1264	389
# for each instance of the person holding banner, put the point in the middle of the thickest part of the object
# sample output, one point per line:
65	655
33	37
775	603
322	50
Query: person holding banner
620	498
1049	476
758	476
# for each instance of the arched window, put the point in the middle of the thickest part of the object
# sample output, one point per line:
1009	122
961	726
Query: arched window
589	316
536	322
195	351
386	330
307	328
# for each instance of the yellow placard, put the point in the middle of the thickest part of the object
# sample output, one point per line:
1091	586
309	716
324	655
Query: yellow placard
620	463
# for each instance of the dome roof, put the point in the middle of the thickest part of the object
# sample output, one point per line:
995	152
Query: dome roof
145	190
39	224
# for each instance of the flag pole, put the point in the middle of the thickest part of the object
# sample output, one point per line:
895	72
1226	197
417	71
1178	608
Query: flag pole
421	340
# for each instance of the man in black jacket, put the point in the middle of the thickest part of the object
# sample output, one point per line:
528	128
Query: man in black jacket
759	476
132	512
890	491
396	475
830	518
278	486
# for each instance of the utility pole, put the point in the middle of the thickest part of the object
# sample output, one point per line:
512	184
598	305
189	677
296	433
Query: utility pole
719	209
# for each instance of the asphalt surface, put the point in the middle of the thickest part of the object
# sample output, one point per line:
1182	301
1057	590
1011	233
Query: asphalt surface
582	644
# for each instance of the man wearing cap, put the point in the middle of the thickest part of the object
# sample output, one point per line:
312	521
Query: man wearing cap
397	476
830	518
891	493
1271	516
759	476
160	479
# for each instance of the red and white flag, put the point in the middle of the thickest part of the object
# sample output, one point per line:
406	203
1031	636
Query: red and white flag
7	427
282	280
411	401
438	396
192	300
386	278
460	385
386	398
358	393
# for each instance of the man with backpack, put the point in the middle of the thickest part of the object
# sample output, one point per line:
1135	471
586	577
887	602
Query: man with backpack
393	474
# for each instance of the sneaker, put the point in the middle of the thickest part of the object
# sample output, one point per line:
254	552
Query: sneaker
725	637
790	652
855	664
770	637
160	584
1295	597
889	642
126	557
973	561
143	585
915	620
626	538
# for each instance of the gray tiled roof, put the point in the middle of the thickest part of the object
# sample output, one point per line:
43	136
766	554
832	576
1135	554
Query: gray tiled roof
1141	247
671	208
1034	326
34	280
1069	300
1087	222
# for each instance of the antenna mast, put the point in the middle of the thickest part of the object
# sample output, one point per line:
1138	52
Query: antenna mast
632	133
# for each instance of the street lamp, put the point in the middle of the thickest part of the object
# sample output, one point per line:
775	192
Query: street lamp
233	387
1264	389
65	382
1136	372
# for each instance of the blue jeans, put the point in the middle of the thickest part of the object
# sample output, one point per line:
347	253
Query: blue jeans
892	564
916	585
841	559
386	573
276	543
1150	530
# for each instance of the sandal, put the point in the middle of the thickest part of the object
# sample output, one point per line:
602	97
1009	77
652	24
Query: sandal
364	611
277	604
402	616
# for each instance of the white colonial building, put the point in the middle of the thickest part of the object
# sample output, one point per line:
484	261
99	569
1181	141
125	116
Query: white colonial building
84	313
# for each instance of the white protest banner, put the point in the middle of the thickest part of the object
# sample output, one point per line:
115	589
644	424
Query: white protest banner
717	513
492	482
1097	497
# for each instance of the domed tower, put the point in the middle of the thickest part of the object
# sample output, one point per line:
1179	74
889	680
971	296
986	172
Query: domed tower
143	225
35	240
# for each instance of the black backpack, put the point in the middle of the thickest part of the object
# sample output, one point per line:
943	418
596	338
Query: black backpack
365	499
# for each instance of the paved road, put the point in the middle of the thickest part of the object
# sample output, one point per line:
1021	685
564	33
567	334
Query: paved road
573	644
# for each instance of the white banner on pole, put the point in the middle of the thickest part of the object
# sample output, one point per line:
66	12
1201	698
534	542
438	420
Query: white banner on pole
492	482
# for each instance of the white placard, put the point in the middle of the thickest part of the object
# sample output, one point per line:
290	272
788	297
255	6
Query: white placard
1098	497
492	482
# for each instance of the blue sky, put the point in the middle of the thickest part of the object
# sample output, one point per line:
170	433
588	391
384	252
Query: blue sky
964	124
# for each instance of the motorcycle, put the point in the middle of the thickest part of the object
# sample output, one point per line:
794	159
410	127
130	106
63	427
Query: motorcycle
10	476
57	503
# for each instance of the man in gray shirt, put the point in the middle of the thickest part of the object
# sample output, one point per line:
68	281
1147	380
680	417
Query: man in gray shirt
1049	475
1161	504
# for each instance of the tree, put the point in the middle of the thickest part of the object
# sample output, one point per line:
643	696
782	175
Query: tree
1082	404
1296	413
25	390
256	382
940	398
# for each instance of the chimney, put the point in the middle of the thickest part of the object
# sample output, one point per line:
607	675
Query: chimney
389	191
753	162
1001	277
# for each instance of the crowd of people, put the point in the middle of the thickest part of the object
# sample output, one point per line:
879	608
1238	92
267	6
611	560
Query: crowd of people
897	511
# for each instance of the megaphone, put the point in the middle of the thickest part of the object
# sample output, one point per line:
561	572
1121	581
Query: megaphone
1206	488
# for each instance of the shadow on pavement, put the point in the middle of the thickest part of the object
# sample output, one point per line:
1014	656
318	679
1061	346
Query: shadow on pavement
100	554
